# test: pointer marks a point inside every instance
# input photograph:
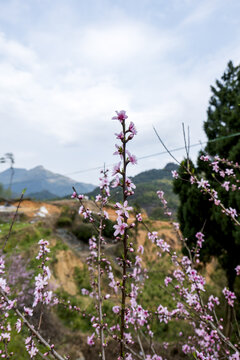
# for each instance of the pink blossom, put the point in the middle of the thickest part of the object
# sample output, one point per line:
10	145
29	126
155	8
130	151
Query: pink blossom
203	184
120	227
141	249
229	296
18	325
116	182
105	214
48	297
163	314
139	217
229	171
138	260
123	209
160	194
237	269
176	225
212	301
3	284
28	311
116	169
98	197
84	291
232	212
33	351
90	340
5	336
175	174
192	180
204	158
225	185
129	356
167	280
128	338
47	271
200	240
215	166
132	128
131	158
121	116
40	282
119	150
28	340
186	349
120	136
235	356
74	195
130	185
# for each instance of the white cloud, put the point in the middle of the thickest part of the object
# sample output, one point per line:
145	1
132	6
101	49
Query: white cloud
116	44
16	53
201	12
60	86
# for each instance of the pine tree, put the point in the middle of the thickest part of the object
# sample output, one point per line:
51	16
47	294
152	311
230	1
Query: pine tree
223	115
195	210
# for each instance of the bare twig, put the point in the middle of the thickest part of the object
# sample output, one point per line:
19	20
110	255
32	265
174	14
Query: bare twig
140	344
165	146
186	144
13	221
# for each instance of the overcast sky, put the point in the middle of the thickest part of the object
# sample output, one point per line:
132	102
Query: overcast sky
67	65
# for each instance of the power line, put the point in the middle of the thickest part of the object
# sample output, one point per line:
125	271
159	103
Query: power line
159	153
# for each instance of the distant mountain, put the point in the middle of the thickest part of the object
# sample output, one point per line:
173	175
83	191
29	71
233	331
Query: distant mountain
147	184
42	182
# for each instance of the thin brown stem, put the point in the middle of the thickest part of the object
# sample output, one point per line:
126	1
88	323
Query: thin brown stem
125	251
99	290
140	344
12	223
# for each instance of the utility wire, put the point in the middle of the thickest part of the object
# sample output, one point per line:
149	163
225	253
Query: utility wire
160	153
150	155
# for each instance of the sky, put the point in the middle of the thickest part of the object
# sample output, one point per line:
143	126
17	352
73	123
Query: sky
67	65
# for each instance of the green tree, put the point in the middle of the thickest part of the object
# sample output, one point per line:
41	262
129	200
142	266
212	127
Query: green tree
223	115
195	210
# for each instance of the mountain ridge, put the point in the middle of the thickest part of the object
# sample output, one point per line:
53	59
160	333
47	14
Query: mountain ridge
39	179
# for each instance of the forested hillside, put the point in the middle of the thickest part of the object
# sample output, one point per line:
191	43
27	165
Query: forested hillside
148	183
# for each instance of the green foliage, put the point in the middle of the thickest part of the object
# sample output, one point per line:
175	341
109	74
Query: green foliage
108	230
154	174
155	293
81	277
64	221
69	212
71	318
145	196
84	231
